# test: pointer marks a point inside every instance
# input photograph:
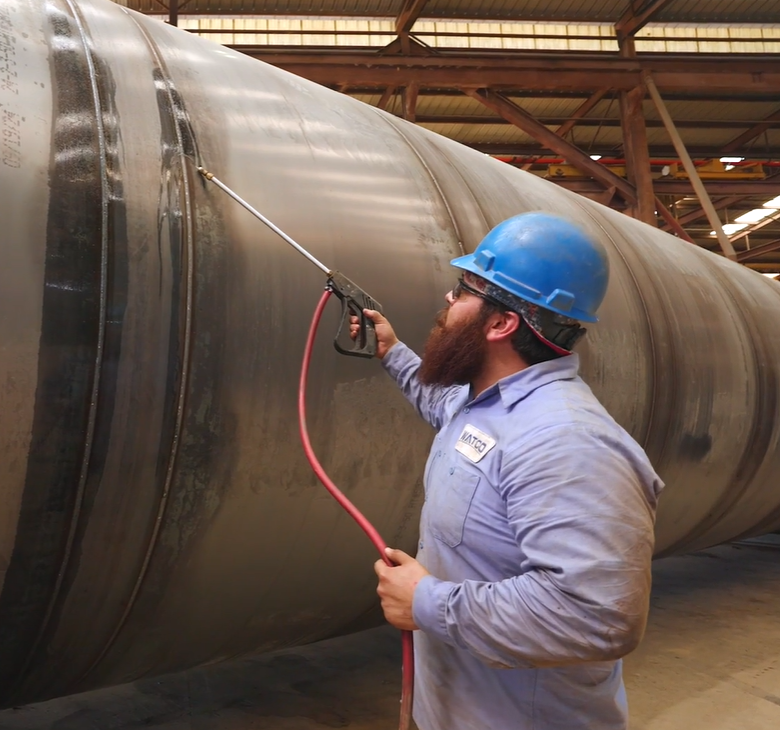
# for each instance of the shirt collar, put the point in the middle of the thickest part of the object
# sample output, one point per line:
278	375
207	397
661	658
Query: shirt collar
517	386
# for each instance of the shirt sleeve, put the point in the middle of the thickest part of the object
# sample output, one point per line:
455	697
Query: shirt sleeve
582	507
432	402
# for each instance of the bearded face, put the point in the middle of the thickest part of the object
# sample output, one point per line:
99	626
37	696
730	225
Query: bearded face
454	354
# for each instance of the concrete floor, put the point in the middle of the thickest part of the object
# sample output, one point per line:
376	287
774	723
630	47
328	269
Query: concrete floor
710	660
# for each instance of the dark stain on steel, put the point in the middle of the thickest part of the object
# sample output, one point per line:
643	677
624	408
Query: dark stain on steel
762	427
694	447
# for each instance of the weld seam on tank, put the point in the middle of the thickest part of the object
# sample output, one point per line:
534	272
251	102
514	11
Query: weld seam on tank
656	442
388	120
89	439
185	360
748	466
456	170
770	521
648	321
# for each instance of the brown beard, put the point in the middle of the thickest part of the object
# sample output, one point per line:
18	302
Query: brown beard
454	356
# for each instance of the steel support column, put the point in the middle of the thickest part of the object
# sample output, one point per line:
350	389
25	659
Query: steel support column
409	96
636	153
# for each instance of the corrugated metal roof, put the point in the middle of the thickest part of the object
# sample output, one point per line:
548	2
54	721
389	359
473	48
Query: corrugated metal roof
748	110
462	105
691	137
482	133
451	105
551	107
543	10
609	11
358	8
607	134
720	11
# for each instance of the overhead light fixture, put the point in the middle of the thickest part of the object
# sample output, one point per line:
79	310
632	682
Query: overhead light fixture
773	276
774	203
729	228
755	215
595	157
729	161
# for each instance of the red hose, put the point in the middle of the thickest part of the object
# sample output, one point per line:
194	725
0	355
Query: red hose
407	685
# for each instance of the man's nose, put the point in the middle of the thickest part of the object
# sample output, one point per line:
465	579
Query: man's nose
449	298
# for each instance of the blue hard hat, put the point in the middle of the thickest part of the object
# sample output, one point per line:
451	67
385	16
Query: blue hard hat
545	260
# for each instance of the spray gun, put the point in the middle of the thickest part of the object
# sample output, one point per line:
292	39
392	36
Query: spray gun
353	299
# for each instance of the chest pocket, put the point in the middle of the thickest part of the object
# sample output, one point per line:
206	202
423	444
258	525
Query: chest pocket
449	505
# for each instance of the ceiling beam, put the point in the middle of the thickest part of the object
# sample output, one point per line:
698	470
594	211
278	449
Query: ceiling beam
771	266
753	228
581	111
752	133
690	168
522	119
657	152
754	253
384	100
694	215
408	16
584	95
567	122
540	71
684	187
637	16
573	154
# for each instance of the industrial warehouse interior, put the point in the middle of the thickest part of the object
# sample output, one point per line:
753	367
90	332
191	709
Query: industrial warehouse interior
167	557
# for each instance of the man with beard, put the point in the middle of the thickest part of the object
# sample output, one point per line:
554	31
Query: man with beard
532	575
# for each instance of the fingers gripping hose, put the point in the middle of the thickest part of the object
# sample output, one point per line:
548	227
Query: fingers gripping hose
407	686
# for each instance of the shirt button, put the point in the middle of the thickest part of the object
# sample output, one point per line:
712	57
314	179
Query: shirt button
466	409
452	470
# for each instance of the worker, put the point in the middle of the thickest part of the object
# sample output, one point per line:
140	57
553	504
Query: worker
532	576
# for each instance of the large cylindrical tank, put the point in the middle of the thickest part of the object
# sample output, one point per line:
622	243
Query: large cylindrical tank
156	508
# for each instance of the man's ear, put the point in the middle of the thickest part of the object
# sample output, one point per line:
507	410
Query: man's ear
501	326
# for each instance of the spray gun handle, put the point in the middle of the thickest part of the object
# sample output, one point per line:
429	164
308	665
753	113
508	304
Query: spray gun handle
353	301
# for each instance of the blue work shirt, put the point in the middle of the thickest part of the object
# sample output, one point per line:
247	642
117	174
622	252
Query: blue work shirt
537	530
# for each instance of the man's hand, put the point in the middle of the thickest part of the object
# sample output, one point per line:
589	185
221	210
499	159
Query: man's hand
396	587
385	336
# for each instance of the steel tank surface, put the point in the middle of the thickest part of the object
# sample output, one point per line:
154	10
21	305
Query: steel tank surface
157	510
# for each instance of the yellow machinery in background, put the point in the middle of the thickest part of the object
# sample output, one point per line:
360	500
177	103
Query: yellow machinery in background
716	170
710	170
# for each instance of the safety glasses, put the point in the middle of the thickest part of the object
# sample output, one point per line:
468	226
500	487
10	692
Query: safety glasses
462	286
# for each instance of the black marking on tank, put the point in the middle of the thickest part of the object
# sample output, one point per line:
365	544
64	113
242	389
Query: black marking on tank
85	287
179	158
